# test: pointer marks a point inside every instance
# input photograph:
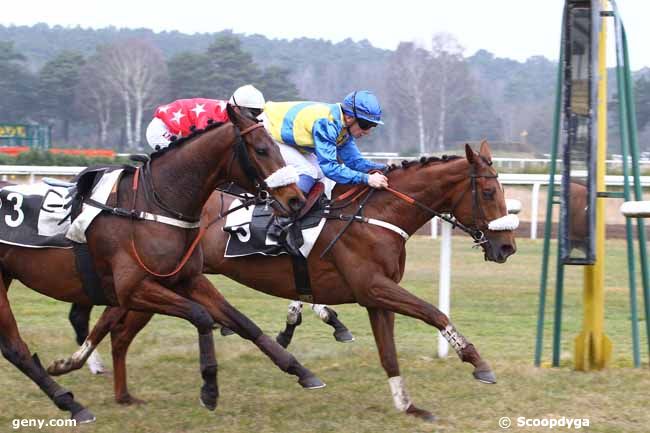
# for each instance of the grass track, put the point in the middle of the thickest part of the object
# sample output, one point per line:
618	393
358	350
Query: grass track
495	306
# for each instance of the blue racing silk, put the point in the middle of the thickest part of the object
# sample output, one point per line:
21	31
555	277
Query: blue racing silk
319	128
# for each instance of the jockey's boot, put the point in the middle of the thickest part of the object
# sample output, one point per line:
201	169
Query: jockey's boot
311	198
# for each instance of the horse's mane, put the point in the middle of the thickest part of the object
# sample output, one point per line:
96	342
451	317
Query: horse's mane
180	141
425	160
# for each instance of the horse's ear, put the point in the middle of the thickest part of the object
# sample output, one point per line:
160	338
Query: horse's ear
469	153
485	151
233	114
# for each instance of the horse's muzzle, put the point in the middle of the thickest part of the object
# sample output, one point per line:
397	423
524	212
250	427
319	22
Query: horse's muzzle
295	204
499	252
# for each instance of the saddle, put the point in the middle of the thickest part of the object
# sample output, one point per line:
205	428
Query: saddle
258	231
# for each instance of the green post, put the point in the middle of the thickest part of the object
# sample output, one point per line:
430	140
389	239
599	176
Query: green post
549	206
623	115
638	191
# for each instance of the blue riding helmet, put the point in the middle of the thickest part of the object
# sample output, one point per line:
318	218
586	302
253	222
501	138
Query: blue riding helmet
363	104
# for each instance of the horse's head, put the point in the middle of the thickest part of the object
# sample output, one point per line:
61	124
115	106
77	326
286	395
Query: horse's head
481	206
262	164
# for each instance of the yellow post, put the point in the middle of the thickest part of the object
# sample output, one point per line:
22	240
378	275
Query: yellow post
593	348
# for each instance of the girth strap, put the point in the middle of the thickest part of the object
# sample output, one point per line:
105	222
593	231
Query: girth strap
90	281
301	278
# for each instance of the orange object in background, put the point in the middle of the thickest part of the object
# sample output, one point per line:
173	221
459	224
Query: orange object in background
14	150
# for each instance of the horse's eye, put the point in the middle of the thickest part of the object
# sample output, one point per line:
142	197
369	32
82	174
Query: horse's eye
262	152
488	194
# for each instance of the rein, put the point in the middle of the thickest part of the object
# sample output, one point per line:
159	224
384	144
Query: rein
477	234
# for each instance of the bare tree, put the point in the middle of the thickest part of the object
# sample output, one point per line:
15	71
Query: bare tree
95	95
138	73
447	56
410	86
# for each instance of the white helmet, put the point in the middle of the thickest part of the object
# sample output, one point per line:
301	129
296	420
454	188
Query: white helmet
249	97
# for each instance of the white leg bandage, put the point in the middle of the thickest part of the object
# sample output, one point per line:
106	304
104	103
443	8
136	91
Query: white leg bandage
83	352
321	311
295	308
398	390
455	338
95	363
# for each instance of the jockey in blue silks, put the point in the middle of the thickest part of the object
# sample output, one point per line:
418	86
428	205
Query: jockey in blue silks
314	136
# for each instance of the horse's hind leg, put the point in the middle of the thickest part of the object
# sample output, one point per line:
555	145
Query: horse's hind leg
382	323
154	298
122	334
107	320
327	314
202	291
388	295
15	351
294	319
79	318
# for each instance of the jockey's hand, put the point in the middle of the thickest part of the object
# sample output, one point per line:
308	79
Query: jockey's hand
377	180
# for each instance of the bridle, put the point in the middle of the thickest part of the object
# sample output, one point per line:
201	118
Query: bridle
478	214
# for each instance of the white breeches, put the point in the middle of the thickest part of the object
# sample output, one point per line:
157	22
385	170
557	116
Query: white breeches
305	163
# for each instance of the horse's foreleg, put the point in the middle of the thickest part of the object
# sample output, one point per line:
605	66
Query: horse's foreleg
203	292
79	319
15	351
382	323
107	320
154	298
122	334
388	295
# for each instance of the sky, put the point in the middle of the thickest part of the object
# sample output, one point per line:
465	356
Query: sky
516	29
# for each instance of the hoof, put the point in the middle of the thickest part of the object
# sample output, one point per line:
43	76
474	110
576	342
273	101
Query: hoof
424	415
208	405
84	416
209	398
283	340
311	382
486	376
344	336
226	331
129	400
59	367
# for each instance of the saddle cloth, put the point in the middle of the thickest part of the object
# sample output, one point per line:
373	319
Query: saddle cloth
33	215
37	215
248	227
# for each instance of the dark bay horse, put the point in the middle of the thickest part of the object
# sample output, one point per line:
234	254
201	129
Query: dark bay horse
133	258
367	263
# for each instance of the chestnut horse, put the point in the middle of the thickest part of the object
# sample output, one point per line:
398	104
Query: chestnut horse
366	264
133	257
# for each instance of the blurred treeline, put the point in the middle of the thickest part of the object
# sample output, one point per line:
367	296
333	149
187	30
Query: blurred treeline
98	88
